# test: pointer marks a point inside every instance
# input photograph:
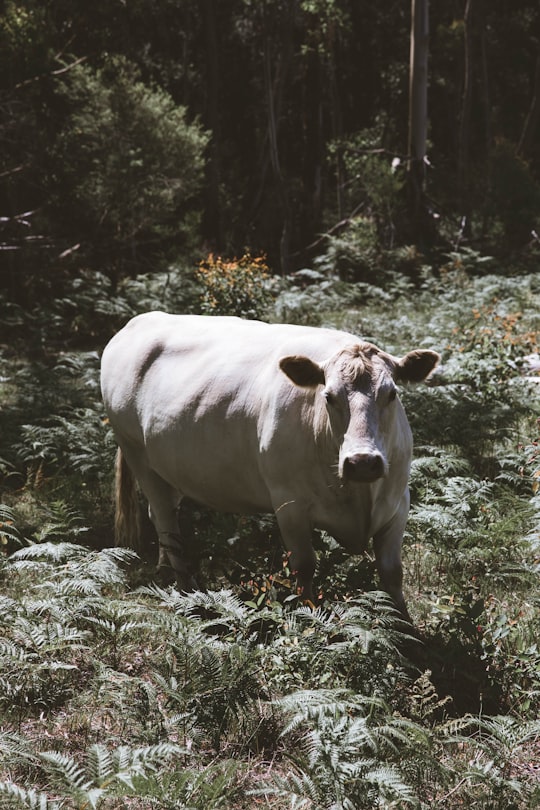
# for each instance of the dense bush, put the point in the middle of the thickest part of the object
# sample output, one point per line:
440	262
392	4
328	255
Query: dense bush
125	169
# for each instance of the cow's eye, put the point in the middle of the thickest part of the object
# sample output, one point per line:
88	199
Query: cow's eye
330	397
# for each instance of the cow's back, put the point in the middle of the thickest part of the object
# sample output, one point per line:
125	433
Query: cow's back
205	396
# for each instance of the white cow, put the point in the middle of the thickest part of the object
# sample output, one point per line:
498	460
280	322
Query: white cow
249	417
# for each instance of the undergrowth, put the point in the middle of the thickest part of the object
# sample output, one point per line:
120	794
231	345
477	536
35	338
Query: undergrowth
116	691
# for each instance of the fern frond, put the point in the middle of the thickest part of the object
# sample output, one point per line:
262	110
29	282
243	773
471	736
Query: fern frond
65	771
318	705
105	772
432	462
19	797
53	553
8	608
498	735
391	789
14	748
48	637
300	789
70	569
99	764
8	529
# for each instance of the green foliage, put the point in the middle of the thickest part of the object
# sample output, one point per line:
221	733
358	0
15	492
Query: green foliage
374	181
515	196
380	273
127	161
101	160
38	659
23	48
78	443
494	744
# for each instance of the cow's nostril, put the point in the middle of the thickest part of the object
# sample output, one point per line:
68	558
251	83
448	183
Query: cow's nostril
363	467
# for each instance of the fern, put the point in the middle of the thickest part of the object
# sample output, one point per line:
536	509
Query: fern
71	569
117	626
499	737
351	746
221	612
492	745
12	797
104	773
16	749
77	444
425	703
212	786
350	646
300	789
37	661
8	530
431	462
317	704
63	523
228	690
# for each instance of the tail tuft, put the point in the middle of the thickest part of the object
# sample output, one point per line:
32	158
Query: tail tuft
127	519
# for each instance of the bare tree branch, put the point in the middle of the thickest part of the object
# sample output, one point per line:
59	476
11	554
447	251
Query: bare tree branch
58	72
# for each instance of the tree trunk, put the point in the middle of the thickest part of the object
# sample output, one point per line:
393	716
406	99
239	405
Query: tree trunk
465	123
531	122
314	151
337	124
421	224
273	92
211	224
487	108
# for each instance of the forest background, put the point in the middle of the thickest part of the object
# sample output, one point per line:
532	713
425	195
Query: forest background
131	134
265	159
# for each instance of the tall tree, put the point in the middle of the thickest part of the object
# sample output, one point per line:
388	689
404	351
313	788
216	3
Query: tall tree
211	224
418	119
466	109
533	116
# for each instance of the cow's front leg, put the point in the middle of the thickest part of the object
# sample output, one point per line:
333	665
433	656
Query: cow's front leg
296	533
387	545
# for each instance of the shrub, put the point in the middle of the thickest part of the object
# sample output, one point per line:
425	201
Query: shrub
237	287
127	165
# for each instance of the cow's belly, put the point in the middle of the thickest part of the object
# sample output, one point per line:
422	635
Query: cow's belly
226	491
215	467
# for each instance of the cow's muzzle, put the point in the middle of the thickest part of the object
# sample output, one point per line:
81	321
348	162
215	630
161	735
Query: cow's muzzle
364	467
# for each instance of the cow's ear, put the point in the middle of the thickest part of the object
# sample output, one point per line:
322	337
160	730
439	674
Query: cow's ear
302	371
416	365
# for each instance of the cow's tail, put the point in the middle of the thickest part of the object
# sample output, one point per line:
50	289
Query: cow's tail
127	528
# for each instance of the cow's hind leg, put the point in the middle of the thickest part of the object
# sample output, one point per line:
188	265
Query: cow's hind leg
163	501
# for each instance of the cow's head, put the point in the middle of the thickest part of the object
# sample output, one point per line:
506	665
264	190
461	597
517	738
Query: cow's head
359	388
